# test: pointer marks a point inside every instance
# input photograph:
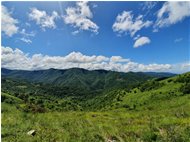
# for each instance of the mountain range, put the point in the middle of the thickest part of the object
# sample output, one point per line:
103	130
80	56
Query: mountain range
83	79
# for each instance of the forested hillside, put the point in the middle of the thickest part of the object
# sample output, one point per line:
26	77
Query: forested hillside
151	109
81	78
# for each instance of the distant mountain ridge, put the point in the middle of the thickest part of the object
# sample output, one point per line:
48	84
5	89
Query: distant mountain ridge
161	74
82	78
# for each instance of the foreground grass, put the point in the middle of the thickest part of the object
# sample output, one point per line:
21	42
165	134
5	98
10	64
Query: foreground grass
118	125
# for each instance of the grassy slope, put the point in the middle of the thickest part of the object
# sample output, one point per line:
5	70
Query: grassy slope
159	114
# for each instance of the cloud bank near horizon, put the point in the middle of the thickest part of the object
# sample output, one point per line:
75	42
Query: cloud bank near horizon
17	59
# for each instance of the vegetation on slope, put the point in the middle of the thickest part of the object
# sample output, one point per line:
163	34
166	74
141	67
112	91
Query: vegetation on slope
81	78
155	110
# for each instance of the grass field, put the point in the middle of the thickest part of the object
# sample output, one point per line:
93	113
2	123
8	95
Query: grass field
119	125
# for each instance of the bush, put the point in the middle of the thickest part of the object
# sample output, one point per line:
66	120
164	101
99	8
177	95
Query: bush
126	106
185	89
149	85
183	79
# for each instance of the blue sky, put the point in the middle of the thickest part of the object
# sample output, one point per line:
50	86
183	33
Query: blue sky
152	36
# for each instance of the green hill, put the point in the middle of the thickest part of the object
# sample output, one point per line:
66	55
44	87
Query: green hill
81	78
157	109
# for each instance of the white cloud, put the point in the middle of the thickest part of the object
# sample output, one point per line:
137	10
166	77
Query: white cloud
26	36
155	67
43	19
182	67
27	24
136	37
26	40
178	39
126	23
79	17
186	65
148	5
77	57
118	59
94	5
16	59
75	32
171	13
8	23
141	41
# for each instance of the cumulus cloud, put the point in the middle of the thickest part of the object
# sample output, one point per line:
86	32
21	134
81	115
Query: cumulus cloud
8	23
43	19
171	13
80	17
141	41
118	59
16	59
127	23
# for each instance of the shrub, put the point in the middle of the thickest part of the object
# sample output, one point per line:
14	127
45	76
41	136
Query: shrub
149	85
185	89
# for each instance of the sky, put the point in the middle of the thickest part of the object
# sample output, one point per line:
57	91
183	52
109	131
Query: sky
119	36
